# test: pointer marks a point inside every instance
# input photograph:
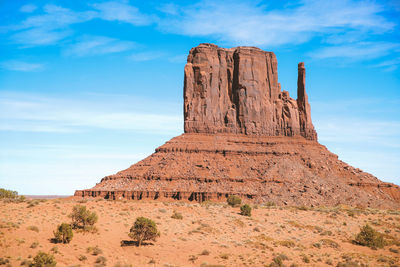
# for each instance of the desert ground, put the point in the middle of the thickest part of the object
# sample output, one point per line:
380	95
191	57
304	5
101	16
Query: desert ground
209	234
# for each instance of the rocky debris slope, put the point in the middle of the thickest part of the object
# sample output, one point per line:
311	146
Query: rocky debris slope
244	136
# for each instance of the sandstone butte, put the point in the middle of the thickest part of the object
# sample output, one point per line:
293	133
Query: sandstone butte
244	136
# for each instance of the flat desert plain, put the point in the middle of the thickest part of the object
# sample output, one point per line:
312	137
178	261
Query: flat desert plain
209	234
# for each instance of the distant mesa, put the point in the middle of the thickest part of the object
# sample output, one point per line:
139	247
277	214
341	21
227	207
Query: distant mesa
245	136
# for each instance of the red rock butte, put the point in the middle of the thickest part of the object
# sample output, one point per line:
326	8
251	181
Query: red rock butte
245	136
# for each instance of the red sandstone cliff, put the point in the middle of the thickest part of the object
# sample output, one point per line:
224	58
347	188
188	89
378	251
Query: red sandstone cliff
237	91
245	136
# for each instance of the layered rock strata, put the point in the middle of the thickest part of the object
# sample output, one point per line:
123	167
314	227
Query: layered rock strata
237	91
244	136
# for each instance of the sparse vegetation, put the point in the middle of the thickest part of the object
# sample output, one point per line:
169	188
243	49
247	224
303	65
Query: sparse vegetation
177	215
94	250
144	229
64	233
369	237
205	252
10	195
245	210
43	259
100	261
34	245
233	201
82	218
82	258
33	228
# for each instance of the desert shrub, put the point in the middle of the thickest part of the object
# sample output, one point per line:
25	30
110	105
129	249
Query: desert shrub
118	264
144	229
4	193
10	195
83	218
245	210
33	228
100	261
34	245
369	237
82	258
4	261
233	201
278	260
177	215
43	259
205	252
94	250
306	259
64	233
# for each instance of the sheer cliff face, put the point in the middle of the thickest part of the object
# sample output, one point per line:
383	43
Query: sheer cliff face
237	91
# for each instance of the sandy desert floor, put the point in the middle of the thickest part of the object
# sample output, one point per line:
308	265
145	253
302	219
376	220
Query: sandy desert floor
210	234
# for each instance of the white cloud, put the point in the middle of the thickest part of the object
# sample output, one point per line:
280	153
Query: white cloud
42	114
29	8
40	36
363	50
246	23
123	12
98	45
16	65
146	56
48	28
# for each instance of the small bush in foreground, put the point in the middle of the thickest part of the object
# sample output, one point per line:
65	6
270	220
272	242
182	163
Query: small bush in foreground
245	210
369	237
233	201
144	229
33	228
43	260
94	250
177	215
83	218
64	233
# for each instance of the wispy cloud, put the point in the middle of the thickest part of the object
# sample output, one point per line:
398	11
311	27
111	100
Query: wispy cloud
254	24
48	28
29	8
363	50
40	36
146	56
16	65
42	114
98	45
124	12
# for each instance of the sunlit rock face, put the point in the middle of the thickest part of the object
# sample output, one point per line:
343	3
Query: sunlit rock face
244	136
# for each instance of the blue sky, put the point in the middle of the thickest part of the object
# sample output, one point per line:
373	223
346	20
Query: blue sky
88	88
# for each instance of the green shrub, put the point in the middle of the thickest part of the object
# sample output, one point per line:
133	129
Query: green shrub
233	201
144	229
10	195
369	237
177	215
43	260
64	233
245	210
83	218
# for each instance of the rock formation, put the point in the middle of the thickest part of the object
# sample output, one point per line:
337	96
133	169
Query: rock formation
237	91
245	136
